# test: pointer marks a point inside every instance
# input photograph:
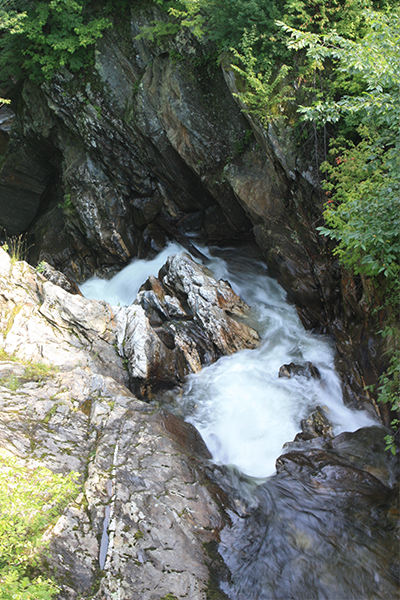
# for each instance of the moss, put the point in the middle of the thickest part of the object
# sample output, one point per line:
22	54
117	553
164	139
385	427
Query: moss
138	534
11	318
12	382
51	412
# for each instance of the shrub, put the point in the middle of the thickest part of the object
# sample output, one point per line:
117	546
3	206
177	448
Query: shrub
31	499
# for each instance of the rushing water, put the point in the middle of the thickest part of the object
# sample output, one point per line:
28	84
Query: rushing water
318	529
243	410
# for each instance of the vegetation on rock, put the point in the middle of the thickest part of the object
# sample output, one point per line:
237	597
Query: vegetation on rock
31	499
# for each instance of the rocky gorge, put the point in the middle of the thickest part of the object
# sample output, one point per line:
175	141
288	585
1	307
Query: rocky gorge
108	165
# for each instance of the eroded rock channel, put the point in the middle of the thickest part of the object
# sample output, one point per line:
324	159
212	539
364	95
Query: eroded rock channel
162	513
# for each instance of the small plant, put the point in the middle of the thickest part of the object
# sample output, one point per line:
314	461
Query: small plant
31	499
12	382
67	205
40	267
389	393
37	371
16	247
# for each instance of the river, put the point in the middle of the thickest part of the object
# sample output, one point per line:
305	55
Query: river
295	534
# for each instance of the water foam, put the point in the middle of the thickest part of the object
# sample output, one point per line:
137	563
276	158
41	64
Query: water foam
243	410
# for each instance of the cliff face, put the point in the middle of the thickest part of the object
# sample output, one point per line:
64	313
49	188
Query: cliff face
101	165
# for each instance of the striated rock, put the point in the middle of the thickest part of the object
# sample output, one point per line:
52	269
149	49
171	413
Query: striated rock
138	528
179	322
58	278
42	322
183	322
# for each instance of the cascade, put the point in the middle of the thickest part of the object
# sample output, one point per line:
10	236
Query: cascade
300	526
244	411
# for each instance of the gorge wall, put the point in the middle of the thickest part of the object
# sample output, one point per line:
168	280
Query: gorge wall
151	143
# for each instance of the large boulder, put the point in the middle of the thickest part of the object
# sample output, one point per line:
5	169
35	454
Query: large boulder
325	526
40	321
179	322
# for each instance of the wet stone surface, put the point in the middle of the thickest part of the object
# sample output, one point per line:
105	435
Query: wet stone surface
325	526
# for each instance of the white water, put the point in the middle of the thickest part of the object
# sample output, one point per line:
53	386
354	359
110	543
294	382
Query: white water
243	410
122	289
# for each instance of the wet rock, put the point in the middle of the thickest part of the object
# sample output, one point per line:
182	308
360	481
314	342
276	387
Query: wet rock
293	370
185	320
326	508
365	449
179	322
316	425
145	511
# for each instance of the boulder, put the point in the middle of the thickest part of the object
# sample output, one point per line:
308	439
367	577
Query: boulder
39	321
333	504
293	370
185	319
58	278
145	515
179	322
316	425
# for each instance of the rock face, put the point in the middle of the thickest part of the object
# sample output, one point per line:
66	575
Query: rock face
333	504
98	164
179	322
137	529
145	515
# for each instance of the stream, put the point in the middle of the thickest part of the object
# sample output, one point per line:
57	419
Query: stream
295	534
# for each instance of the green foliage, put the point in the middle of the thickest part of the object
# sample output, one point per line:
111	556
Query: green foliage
31	499
39	37
363	212
38	371
16	246
40	267
264	93
67	205
11	382
34	371
389	393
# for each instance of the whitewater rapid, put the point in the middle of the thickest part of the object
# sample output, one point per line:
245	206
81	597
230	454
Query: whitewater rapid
243	410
